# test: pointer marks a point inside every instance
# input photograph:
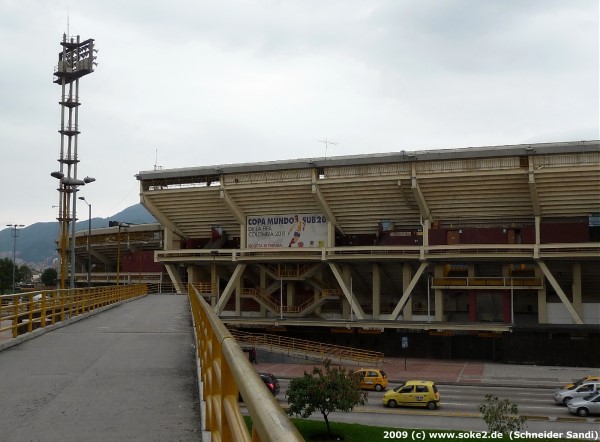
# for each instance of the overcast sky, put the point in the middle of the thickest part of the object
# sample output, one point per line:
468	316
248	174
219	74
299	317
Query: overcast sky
185	83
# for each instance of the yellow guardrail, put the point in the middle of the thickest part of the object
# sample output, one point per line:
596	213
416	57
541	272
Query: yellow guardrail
301	347
222	370
24	312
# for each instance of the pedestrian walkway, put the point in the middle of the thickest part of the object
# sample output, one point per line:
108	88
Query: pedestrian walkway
450	372
126	374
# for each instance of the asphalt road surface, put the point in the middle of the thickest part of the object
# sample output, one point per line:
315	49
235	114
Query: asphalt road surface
459	410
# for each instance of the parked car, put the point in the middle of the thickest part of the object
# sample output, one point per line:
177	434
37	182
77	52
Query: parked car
271	382
585	389
413	394
578	382
372	379
585	405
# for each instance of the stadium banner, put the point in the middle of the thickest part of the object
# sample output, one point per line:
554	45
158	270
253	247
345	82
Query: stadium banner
302	230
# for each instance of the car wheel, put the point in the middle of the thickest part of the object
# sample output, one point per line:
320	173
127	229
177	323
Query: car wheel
583	412
378	387
566	400
392	403
431	405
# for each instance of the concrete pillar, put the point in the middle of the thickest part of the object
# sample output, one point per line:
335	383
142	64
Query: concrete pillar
290	294
472	306
330	234
426	227
541	298
214	280
577	305
243	236
376	270
345	303
263	286
194	274
406	277
238	298
439	295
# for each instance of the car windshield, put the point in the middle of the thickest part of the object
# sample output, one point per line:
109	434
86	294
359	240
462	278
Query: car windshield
591	397
578	382
397	389
382	373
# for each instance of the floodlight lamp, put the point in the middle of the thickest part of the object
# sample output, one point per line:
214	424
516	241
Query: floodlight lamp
89	179
68	181
57	175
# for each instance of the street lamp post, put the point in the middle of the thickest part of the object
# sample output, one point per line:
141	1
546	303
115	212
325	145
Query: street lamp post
120	225
70	185
14	228
89	245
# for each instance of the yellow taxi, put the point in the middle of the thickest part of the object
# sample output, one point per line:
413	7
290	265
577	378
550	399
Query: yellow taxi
413	394
372	379
578	382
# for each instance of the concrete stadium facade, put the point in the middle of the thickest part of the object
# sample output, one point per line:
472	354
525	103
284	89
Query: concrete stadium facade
484	252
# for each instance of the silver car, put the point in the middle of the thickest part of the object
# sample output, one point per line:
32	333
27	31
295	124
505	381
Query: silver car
585	389
585	405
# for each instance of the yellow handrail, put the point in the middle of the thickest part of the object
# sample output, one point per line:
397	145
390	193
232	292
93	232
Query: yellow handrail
303	347
28	311
223	369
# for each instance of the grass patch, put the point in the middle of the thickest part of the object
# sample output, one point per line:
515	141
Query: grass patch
315	430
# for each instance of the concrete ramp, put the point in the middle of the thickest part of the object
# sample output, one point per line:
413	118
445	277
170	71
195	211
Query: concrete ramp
127	373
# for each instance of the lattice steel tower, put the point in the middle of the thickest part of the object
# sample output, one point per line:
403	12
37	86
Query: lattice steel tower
76	59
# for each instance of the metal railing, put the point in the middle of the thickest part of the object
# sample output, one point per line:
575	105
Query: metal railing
24	312
500	282
302	348
222	370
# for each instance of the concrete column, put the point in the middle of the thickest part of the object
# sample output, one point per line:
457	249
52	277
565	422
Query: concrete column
439	295
345	303
290	293
193	274
263	286
172	241
542	299
238	298
330	234
376	270
243	236
471	271
214	280
577	304
406	278
426	227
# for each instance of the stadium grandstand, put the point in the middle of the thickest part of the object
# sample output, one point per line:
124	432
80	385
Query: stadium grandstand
481	252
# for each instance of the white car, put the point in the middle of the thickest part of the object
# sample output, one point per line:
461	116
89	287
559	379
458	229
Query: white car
585	389
585	405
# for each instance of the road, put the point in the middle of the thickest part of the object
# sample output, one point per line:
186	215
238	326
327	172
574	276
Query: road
459	410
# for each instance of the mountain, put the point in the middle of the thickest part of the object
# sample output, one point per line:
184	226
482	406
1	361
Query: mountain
36	243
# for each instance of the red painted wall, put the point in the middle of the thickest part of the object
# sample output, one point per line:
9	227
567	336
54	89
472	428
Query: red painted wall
133	262
564	232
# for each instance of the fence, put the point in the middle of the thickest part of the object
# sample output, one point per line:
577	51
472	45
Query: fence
223	369
303	348
24	312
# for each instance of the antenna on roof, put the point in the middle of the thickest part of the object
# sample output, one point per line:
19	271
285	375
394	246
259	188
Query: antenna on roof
156	166
327	143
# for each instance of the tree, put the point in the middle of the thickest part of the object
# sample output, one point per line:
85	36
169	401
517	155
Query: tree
49	277
6	272
24	274
331	389
501	415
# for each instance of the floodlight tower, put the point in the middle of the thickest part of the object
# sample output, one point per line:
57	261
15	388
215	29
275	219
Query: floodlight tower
76	59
